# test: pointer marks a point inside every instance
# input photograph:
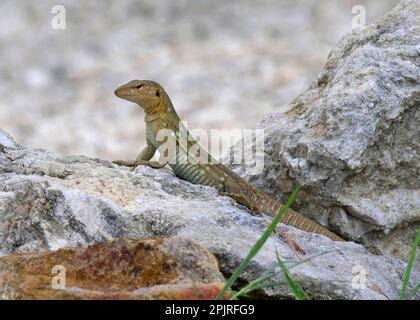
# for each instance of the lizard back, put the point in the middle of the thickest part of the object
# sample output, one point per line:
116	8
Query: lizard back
192	163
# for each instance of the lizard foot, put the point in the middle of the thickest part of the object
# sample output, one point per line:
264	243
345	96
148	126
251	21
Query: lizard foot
151	164
124	163
134	164
137	163
156	164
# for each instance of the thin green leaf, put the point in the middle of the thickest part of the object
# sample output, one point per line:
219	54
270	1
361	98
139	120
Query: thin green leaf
260	242
414	291
410	263
253	285
259	282
296	289
309	258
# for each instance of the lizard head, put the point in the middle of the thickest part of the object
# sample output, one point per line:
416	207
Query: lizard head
147	94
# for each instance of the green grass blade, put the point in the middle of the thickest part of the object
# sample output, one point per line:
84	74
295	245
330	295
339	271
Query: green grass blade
260	282
309	258
253	285
260	242
410	263
414	291
296	289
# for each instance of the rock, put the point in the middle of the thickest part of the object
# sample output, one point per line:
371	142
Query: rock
6	140
48	202
154	268
353	139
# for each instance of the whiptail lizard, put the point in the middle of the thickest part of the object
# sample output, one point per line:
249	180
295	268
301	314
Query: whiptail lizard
160	114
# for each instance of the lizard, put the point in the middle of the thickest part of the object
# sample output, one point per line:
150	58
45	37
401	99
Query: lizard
187	163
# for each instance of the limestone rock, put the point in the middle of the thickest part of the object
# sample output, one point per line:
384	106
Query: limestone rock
353	139
48	202
6	140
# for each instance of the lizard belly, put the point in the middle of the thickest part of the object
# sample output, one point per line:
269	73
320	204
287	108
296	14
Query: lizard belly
216	176
194	173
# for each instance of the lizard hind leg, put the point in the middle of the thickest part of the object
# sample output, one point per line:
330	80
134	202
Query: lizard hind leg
241	199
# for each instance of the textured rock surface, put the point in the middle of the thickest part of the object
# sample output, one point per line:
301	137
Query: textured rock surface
353	139
48	201
154	268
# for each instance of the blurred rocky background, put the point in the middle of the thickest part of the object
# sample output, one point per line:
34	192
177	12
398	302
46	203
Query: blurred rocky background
225	64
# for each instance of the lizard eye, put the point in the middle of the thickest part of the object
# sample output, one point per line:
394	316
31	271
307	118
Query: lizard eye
157	94
139	86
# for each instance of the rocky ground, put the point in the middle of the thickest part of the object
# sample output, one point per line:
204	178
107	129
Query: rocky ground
351	140
151	268
49	201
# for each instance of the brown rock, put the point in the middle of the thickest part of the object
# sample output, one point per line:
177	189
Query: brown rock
152	268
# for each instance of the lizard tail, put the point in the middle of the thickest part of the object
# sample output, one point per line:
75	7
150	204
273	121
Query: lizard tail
292	218
295	219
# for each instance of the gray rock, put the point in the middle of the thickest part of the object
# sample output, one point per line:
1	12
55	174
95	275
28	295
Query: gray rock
6	140
48	201
353	139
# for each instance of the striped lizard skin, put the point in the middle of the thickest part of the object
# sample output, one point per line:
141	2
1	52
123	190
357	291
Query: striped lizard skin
186	157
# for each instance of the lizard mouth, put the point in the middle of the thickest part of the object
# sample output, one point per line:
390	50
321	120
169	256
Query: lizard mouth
128	94
123	93
119	92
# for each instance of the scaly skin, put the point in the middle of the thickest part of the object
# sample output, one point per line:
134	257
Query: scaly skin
160	114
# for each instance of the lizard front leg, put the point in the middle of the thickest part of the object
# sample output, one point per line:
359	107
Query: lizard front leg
142	159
